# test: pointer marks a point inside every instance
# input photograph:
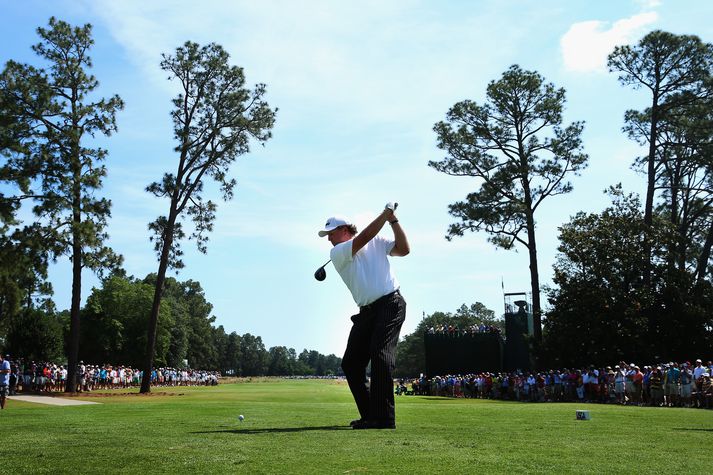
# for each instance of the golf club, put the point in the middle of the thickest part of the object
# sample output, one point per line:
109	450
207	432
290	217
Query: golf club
320	274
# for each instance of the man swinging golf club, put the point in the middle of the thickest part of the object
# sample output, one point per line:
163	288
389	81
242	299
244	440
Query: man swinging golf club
361	259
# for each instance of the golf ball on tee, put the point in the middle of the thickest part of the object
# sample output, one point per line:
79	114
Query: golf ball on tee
241	417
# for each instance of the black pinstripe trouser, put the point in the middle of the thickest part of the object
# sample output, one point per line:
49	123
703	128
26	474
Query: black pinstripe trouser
373	337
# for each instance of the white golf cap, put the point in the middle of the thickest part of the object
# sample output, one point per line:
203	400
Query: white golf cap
333	223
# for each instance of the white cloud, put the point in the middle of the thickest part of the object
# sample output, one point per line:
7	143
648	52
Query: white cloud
587	44
363	59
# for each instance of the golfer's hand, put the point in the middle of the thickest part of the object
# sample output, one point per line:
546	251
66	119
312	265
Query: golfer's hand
389	210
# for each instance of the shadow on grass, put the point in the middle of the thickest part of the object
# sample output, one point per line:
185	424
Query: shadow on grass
272	430
693	428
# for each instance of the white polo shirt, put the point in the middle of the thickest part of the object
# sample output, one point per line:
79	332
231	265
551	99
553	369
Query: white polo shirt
367	274
698	371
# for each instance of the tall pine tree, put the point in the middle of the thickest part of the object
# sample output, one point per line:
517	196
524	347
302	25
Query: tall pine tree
51	114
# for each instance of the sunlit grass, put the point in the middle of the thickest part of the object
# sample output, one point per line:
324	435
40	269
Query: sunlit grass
301	427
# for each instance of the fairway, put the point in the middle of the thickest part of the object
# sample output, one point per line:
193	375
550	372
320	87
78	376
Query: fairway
300	426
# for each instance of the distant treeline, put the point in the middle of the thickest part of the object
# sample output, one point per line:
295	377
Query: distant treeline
113	331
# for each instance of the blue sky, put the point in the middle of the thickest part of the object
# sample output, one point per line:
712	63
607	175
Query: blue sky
359	86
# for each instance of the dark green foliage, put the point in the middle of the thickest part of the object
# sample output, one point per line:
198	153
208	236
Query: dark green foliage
189	307
314	363
281	361
114	332
52	112
23	273
48	114
604	311
255	358
633	284
676	128
520	153
685	178
230	360
114	323
35	335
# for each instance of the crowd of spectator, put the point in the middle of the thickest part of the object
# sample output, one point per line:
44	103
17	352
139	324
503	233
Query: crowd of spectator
48	377
453	330
664	385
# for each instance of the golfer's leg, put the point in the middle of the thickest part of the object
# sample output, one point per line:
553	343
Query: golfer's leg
387	327
354	362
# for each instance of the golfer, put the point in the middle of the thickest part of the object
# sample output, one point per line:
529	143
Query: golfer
362	261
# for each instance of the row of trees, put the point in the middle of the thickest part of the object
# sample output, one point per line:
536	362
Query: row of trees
633	281
641	273
114	331
48	118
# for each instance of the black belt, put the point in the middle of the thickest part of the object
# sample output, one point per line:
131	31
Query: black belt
380	300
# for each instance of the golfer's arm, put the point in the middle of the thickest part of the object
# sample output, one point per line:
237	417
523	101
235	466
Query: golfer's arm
370	231
401	247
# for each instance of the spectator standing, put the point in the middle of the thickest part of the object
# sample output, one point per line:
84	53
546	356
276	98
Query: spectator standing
81	377
4	379
706	393
698	371
530	389
686	383
580	385
28	375
672	379
39	378
638	380
14	374
619	383
629	388
557	386
646	392
656	385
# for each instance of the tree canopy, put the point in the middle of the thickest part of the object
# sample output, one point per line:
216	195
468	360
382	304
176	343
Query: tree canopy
517	148
215	118
600	294
676	71
48	114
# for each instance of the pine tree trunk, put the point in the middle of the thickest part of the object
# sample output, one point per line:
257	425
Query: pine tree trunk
156	306
650	189
73	349
704	257
532	250
534	281
74	328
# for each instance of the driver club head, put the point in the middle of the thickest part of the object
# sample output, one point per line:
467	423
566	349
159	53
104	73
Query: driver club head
321	274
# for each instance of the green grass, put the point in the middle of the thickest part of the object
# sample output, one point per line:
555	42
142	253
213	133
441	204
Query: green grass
301	427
